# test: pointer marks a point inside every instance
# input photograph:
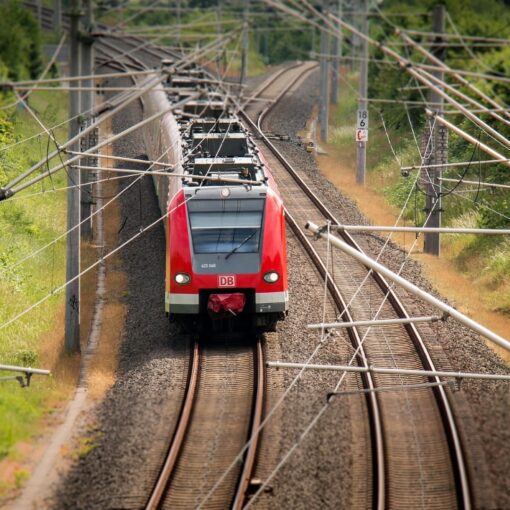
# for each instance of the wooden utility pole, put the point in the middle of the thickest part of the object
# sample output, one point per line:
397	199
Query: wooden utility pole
362	120
324	72
436	136
72	315
337	57
87	103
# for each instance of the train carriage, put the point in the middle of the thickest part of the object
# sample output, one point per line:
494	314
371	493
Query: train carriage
226	261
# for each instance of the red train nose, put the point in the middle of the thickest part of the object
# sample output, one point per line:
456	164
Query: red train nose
229	303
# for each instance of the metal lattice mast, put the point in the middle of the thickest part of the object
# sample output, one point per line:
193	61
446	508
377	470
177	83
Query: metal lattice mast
439	145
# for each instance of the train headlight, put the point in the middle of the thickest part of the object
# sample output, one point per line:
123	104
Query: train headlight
271	277
182	278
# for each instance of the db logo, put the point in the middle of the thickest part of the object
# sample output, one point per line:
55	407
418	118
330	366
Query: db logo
226	281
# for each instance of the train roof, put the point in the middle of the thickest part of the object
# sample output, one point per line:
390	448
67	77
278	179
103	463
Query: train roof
214	142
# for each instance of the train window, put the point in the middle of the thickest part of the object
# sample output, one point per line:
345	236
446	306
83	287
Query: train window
226	226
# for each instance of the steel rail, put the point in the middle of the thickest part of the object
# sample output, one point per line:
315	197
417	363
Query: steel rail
257	416
180	432
355	337
271	105
441	397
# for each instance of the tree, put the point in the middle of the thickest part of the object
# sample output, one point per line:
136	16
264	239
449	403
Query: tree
20	41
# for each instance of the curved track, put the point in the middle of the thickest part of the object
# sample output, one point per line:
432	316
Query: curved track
423	463
417	457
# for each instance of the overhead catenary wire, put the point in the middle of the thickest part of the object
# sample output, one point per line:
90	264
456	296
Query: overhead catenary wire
310	358
441	66
471	139
267	480
477	183
458	36
11	188
27	257
420	75
323	409
204	178
376	266
93	265
50	191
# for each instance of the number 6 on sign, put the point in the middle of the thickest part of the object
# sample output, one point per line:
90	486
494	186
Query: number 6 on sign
362	119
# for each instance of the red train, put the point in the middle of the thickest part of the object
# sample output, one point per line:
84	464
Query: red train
226	263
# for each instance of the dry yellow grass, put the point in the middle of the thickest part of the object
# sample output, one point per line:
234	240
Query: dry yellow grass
105	361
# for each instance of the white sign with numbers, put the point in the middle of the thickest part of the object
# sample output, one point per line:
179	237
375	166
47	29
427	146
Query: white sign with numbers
362	119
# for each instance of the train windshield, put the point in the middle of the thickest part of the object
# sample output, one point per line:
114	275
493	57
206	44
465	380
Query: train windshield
226	226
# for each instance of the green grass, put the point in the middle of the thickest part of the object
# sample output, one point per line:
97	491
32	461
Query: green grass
26	224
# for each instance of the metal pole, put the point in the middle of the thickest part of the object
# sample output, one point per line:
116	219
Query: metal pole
15	368
218	33
245	43
394	371
443	230
439	154
413	289
458	163
337	58
361	149
355	41
72	315
57	15
39	13
371	323
324	100
87	102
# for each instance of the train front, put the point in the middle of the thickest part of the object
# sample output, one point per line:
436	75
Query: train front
227	264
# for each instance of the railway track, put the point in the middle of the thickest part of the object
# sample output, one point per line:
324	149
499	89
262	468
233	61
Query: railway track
416	452
222	409
417	459
223	401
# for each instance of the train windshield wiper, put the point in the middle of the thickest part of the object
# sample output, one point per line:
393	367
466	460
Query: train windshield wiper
244	241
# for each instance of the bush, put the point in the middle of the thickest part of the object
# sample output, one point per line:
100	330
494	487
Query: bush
20	41
495	215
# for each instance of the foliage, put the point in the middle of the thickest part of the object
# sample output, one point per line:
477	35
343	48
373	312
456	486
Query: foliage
485	259
495	215
20	41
